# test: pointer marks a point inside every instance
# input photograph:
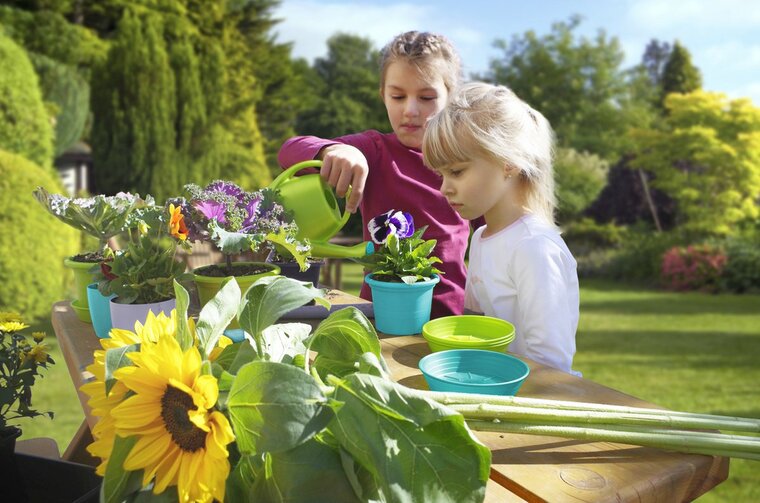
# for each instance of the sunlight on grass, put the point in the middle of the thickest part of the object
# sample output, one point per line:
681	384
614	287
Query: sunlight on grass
692	352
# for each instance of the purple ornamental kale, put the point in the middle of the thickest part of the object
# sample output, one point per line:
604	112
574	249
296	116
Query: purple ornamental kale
395	222
212	210
223	187
252	212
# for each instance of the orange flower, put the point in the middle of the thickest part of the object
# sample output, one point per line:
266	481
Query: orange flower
177	227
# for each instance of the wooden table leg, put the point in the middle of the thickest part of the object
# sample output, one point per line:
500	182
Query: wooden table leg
76	451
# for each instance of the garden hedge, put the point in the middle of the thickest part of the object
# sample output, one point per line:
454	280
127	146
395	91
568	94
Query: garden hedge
33	243
24	122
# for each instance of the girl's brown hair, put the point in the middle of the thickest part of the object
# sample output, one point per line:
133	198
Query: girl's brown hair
428	52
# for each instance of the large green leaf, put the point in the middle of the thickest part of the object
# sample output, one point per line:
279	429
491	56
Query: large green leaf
241	479
217	314
282	342
115	359
271	297
416	449
341	340
309	473
117	482
184	337
273	407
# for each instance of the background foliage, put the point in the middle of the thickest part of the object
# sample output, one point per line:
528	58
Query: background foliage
31	269
24	123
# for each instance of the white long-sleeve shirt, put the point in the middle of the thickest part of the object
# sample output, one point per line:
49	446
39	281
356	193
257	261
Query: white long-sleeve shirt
526	275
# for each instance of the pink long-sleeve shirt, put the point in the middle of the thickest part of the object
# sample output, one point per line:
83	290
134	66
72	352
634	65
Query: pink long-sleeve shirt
399	180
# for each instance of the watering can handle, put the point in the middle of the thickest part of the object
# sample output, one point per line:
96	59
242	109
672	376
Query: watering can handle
288	173
314	163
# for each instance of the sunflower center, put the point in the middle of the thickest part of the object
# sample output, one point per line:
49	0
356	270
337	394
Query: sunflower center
175	405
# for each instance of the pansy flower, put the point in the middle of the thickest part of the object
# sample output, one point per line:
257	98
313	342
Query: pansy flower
177	227
395	222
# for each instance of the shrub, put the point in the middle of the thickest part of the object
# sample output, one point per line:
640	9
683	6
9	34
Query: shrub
580	178
742	271
586	235
640	259
24	123
69	91
694	267
32	243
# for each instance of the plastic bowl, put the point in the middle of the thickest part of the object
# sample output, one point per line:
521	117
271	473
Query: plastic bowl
468	332
82	310
474	371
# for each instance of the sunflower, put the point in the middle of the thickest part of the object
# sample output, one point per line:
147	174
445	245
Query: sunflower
181	439
101	404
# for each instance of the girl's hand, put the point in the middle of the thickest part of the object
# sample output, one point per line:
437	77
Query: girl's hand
344	165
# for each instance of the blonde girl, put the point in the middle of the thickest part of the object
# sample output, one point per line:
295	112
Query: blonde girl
418	71
494	154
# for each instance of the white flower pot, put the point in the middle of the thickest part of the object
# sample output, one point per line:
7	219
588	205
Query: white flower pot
125	315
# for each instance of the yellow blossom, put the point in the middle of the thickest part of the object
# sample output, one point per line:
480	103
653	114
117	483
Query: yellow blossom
12	326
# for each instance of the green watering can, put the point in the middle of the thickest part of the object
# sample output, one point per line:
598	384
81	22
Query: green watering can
315	210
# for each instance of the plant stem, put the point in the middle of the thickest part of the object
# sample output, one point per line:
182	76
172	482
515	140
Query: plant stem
588	417
452	399
742	447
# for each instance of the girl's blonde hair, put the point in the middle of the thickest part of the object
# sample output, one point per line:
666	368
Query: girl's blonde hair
491	121
429	53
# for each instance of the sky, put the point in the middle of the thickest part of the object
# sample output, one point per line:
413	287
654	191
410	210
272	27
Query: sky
723	37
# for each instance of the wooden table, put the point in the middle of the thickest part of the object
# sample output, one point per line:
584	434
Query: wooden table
524	467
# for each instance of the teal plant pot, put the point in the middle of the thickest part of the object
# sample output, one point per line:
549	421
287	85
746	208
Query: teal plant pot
100	310
401	309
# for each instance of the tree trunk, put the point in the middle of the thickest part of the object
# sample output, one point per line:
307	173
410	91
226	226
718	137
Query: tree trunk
650	201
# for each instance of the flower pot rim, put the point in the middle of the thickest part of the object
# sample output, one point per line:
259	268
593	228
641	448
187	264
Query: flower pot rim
75	264
218	279
112	300
369	278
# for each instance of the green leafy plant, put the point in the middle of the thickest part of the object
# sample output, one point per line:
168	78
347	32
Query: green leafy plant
292	415
20	364
102	217
403	255
143	272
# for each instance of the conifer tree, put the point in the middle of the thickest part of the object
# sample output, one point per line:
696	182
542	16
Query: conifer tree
134	106
679	74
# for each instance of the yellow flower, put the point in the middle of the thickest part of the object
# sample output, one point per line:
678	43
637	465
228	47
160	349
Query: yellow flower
224	341
181	439
9	316
142	227
101	404
38	353
177	227
12	326
38	336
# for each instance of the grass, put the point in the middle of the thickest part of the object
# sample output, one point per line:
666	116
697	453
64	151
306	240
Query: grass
692	352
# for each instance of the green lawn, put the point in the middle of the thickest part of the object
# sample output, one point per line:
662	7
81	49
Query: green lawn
693	352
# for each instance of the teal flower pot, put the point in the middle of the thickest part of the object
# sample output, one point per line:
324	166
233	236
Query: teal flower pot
401	309
100	310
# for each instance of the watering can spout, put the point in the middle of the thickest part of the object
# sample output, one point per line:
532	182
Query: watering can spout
332	250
